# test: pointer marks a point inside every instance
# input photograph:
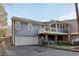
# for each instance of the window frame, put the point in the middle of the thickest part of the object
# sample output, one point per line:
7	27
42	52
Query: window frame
30	26
17	25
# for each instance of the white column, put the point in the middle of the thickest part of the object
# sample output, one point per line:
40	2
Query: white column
56	39
63	37
59	25
62	26
69	35
44	28
56	26
65	27
40	28
46	37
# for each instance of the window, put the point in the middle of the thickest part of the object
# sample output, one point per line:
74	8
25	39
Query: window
63	26
53	25
29	26
17	25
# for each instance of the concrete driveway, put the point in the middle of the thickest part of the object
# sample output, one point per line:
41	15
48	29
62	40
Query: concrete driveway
38	51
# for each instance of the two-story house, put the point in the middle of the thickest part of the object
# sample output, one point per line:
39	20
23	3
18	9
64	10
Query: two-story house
30	32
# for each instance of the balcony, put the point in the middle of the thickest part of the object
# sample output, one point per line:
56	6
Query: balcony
52	30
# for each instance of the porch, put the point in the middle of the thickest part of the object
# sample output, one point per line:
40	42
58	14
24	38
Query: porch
52	39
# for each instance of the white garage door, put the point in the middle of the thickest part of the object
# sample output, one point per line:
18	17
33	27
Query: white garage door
25	40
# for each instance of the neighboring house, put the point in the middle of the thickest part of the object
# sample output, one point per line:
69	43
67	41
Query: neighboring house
29	32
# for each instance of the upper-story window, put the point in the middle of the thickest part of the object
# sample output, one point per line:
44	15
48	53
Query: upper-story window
29	26
17	25
63	26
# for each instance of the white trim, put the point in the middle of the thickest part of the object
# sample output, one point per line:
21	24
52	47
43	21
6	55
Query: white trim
75	33
55	33
56	26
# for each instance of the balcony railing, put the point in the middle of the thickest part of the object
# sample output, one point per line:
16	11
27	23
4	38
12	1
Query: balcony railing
51	29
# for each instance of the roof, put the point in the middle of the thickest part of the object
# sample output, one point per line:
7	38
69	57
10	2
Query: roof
70	20
25	20
30	20
33	21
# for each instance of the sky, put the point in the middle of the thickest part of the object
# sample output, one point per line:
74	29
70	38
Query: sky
41	11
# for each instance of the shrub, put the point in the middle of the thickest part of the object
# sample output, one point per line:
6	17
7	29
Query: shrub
63	43
76	43
2	32
44	43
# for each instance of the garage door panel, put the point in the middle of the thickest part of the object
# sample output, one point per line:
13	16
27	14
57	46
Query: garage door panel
25	40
